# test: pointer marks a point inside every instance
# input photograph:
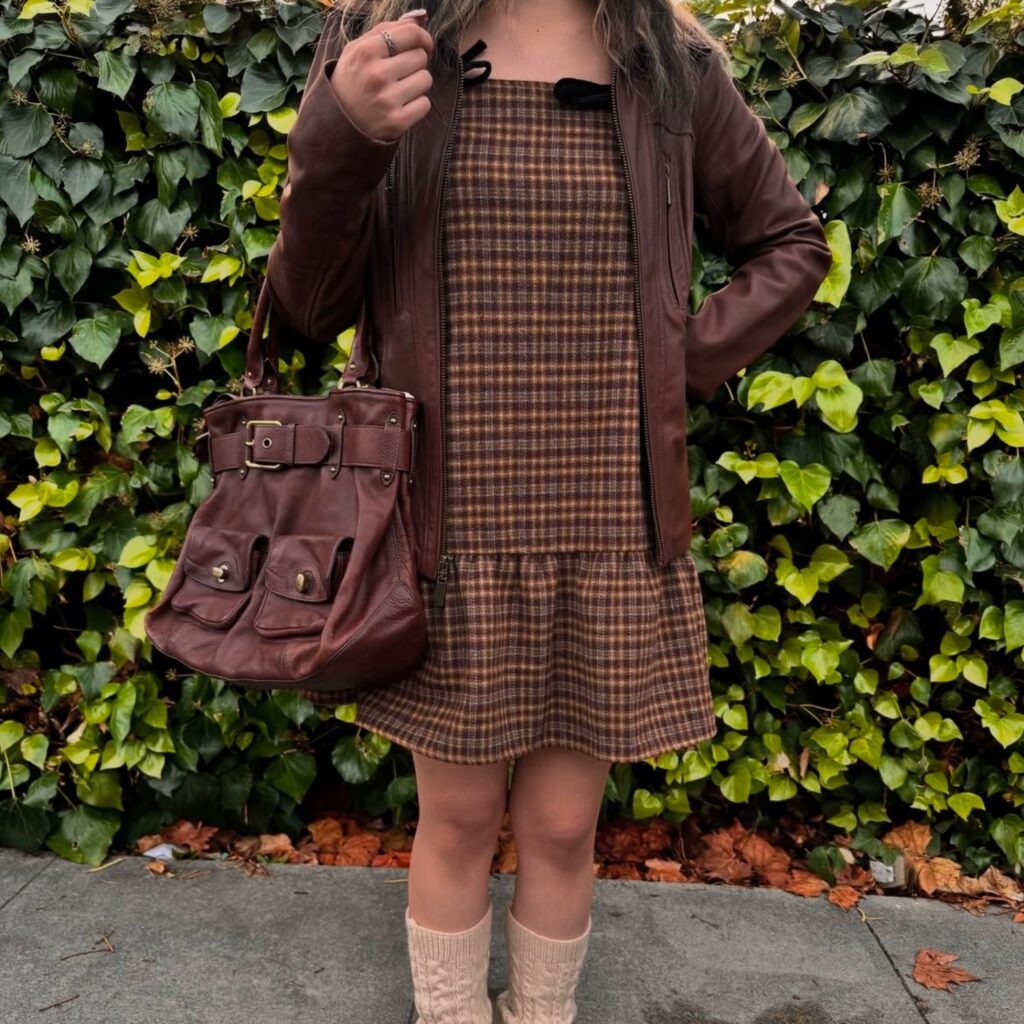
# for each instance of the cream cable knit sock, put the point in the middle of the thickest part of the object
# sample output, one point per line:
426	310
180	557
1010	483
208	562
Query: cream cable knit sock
449	972
542	975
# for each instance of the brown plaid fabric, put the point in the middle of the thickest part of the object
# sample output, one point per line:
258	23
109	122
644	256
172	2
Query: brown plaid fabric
559	627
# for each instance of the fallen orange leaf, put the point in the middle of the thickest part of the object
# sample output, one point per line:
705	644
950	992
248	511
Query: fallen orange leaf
911	837
844	896
664	870
277	845
194	837
770	862
931	969
806	883
938	873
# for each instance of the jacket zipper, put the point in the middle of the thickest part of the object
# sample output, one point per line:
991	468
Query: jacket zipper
639	309
668	230
445	561
389	188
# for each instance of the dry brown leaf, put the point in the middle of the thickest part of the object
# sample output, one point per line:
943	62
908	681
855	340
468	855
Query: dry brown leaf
275	845
911	837
806	883
245	848
770	862
144	843
395	838
938	873
158	867
871	636
194	837
356	850
844	896
855	875
624	840
392	859
664	870
720	859
327	834
932	969
1001	885
507	858
628	871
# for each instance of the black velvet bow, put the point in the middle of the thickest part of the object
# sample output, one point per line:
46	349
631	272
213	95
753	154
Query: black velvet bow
579	92
468	62
572	92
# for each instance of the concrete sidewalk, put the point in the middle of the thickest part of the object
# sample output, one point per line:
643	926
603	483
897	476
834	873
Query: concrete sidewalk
326	945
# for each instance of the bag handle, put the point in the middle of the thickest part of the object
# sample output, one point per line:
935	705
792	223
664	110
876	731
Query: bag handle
261	360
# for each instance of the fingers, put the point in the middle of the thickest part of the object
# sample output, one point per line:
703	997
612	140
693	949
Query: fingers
405	63
412	86
405	34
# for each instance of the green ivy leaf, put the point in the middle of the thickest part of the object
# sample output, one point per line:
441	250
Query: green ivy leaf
805	483
881	541
96	338
116	72
292	773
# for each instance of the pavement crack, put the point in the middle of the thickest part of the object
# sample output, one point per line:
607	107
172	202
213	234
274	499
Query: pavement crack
15	895
899	974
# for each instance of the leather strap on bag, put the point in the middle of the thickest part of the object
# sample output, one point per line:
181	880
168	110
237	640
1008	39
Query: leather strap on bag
261	361
301	444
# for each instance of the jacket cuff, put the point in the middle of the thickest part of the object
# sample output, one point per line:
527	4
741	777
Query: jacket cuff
332	151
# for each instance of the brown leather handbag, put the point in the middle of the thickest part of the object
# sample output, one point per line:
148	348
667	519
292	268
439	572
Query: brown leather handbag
298	570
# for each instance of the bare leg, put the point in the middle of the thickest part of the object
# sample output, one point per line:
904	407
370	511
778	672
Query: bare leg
461	810
554	804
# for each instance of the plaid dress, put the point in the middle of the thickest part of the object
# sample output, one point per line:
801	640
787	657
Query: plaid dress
559	627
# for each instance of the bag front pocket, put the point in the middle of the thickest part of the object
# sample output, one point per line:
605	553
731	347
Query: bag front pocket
219	565
301	577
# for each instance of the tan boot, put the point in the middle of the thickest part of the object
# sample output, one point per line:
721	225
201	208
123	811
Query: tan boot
542	975
449	972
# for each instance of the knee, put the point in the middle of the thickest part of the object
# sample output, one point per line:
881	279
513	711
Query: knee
553	833
463	826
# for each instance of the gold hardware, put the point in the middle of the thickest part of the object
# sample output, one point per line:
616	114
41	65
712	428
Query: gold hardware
250	441
220	572
302	582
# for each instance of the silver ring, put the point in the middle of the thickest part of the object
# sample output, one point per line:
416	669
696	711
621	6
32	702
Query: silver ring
392	49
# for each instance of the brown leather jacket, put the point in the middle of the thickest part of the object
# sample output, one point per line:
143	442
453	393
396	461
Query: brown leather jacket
361	217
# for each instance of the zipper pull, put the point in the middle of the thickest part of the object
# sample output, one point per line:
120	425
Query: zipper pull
442	580
668	183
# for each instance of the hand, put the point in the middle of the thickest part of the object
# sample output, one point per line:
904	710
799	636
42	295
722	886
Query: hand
382	95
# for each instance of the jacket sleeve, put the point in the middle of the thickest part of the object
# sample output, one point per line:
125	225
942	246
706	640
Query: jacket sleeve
764	227
316	267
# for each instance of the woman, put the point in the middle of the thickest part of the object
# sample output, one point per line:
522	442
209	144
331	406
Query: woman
565	616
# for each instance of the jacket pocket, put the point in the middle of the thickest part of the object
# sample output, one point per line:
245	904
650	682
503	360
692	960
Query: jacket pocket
219	568
301	577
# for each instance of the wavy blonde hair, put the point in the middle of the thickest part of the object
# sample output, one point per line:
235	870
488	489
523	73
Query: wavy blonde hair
662	38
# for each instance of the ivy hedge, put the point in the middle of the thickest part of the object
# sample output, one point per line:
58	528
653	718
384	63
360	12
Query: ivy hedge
860	493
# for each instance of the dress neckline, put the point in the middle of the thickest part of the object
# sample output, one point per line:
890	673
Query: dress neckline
571	92
544	81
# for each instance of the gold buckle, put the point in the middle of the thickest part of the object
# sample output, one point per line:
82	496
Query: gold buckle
252	441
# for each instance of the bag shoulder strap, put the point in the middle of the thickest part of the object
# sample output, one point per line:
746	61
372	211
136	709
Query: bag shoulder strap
261	358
